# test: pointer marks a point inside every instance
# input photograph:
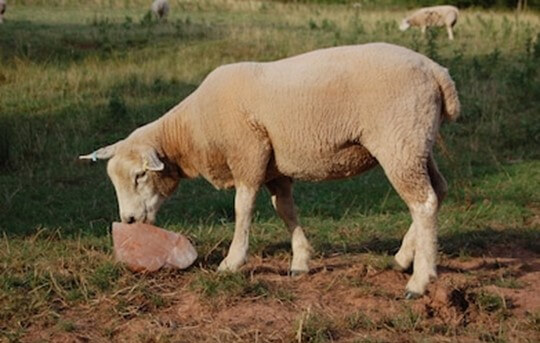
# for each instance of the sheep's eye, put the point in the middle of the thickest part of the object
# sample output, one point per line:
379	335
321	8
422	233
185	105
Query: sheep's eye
139	176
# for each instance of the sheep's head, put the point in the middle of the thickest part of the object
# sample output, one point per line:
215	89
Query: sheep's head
142	181
404	25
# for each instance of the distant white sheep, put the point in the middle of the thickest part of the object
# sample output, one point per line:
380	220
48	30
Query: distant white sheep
160	8
432	16
3	6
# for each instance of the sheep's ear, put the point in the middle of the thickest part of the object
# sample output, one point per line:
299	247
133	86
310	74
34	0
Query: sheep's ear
101	154
151	161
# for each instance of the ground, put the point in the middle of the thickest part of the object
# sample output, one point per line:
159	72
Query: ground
345	298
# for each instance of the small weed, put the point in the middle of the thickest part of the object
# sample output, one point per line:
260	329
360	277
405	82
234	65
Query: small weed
508	282
382	262
403	322
328	25
442	329
74	295
128	23
156	300
489	302
491	337
67	326
358	27
109	332
533	321
464	255
229	284
105	276
283	295
359	321
147	20
315	327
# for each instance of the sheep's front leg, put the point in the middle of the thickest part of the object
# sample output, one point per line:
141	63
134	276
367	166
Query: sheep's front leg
244	203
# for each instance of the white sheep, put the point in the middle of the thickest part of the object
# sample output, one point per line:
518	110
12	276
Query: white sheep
432	16
328	114
160	8
3	6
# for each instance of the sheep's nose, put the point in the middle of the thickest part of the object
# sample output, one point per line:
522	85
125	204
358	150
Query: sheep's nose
128	219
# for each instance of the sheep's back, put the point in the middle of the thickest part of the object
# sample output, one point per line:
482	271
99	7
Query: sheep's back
322	110
434	16
322	113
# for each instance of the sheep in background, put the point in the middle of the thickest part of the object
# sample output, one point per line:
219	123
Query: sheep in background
160	8
3	6
432	16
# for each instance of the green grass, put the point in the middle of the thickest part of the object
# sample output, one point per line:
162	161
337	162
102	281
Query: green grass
315	327
75	79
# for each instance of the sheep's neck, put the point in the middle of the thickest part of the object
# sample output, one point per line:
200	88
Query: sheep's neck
175	140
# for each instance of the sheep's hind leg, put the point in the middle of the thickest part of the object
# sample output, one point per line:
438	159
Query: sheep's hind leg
412	182
437	180
282	200
450	32
405	255
424	215
244	203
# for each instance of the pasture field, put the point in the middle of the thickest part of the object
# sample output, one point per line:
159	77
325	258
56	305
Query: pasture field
76	75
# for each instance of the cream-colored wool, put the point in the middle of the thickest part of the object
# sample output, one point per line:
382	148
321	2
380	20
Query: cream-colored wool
3	7
160	8
327	114
432	16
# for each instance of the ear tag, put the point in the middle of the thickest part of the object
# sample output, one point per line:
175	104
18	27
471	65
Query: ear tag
145	165
94	156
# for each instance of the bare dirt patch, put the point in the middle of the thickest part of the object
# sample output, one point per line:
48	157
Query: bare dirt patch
345	298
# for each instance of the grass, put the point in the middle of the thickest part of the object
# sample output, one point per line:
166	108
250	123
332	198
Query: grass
315	327
84	76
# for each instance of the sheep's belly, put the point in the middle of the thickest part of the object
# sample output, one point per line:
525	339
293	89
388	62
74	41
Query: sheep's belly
326	165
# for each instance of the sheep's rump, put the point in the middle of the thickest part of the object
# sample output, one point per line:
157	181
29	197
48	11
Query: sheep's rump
328	113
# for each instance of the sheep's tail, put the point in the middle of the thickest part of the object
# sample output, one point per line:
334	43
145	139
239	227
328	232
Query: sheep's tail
451	104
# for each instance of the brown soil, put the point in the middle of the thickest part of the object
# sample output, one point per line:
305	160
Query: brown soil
344	299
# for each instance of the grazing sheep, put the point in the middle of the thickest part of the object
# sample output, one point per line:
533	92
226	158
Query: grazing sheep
3	7
160	8
432	16
328	114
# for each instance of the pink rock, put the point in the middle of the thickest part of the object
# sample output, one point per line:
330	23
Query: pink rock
147	248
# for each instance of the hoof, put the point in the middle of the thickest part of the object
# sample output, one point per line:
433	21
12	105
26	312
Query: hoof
412	295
